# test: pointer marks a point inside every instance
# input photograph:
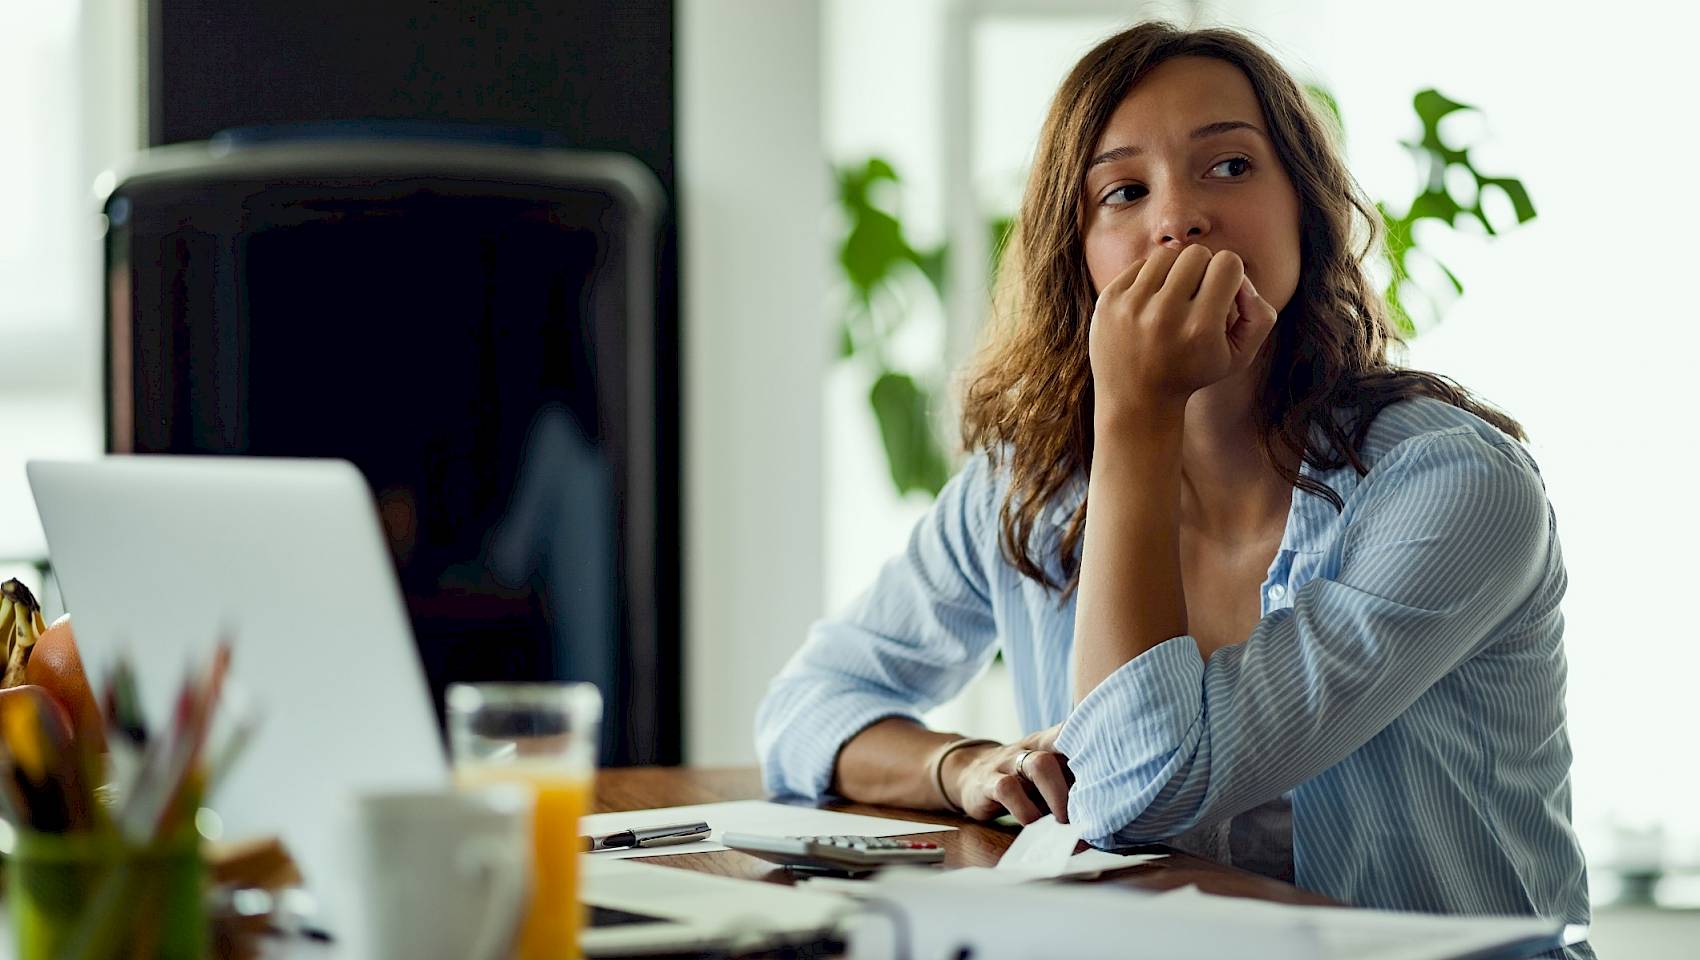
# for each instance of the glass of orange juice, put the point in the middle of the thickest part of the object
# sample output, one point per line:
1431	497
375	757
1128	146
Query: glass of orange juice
542	735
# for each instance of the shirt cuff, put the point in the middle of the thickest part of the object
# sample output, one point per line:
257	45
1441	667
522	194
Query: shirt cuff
1131	735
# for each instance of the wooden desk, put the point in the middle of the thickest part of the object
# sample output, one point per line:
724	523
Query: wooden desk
972	844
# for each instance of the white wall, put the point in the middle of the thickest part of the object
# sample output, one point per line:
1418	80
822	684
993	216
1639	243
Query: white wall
753	189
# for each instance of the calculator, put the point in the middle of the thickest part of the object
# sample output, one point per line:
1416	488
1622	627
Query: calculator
835	854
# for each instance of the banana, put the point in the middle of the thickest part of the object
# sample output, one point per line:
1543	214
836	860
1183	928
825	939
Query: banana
8	613
21	623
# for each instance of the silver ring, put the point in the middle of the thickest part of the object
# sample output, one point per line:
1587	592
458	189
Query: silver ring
1019	761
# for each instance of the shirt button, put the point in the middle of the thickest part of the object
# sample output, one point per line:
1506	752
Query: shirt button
1276	593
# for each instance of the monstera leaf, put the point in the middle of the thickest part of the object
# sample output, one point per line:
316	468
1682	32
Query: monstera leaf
1435	202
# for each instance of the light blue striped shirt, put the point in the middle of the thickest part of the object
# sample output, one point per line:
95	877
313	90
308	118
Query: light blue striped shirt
1404	688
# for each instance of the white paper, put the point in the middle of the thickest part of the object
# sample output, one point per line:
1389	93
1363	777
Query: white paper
1089	863
1104	921
980	877
1093	861
746	816
1370	934
1043	848
1079	921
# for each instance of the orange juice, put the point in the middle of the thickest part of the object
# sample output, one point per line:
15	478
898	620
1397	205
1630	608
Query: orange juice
561	798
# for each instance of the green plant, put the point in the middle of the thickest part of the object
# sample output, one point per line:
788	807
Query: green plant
1434	201
878	259
875	256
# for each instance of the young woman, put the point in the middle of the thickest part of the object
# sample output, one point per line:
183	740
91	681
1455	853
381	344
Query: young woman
1310	624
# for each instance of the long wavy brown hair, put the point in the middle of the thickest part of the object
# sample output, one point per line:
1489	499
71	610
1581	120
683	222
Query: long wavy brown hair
1028	398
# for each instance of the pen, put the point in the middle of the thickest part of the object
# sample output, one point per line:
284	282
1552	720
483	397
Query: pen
647	837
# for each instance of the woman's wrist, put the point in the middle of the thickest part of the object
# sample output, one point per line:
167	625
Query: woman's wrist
1119	416
949	763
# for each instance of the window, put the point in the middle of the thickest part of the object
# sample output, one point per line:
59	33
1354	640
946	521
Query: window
1579	323
69	89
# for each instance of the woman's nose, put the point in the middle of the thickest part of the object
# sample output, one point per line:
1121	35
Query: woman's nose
1181	221
1181	236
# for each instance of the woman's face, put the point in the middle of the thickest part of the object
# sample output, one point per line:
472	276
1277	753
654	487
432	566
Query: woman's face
1168	171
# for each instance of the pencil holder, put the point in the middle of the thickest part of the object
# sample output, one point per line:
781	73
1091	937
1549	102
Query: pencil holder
93	897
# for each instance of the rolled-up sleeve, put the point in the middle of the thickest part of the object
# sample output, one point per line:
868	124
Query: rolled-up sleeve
915	638
1444	544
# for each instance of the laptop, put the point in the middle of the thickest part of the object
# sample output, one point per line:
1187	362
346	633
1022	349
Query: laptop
156	555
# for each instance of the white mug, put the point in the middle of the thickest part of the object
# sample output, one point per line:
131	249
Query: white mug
445	873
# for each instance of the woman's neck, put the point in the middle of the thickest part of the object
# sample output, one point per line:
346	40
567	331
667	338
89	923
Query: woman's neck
1230	492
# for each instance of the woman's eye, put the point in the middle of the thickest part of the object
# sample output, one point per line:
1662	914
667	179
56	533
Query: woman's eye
1245	165
1122	195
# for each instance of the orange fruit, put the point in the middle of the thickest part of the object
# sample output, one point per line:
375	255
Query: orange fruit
55	667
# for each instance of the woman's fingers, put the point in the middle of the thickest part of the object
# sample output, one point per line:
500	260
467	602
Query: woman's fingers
1027	779
1254	319
1155	273
1221	281
1189	271
1045	739
1121	281
1045	770
1011	791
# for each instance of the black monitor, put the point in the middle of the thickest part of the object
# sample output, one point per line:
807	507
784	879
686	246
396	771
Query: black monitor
473	325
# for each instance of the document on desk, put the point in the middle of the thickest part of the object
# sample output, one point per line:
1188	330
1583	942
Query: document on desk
1384	934
1097	921
1043	847
1044	850
1081	866
746	816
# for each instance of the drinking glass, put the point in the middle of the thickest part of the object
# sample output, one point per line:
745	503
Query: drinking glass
541	735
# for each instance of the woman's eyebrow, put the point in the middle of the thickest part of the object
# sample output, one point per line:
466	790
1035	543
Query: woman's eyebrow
1202	133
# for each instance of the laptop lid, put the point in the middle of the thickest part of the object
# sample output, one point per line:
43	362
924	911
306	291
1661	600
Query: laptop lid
159	554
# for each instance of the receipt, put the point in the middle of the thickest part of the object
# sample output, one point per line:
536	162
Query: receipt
1043	848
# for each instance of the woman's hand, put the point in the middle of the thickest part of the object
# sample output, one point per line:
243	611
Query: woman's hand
985	781
1168	326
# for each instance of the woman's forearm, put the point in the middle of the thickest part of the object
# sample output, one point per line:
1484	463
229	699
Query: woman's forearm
1131	595
890	763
